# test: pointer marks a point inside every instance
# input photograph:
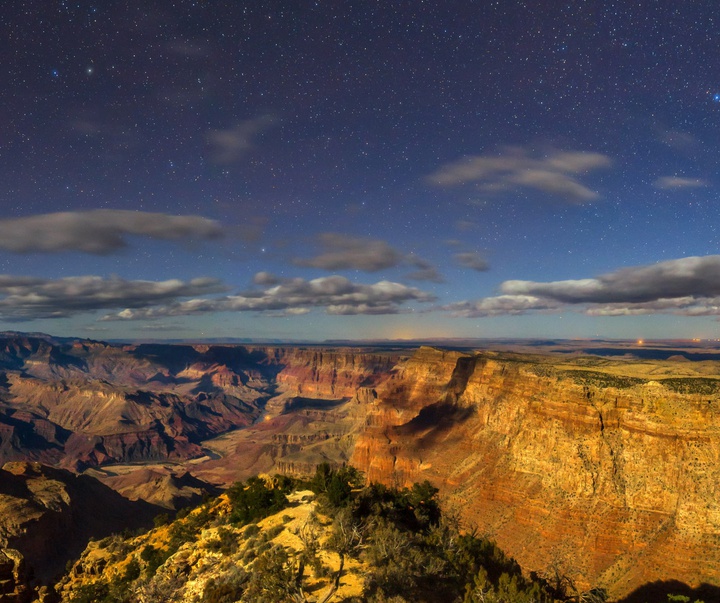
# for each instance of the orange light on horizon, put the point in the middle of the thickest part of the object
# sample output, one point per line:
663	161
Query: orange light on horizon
640	341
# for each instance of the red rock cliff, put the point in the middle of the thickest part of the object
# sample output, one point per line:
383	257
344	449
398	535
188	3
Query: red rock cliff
612	480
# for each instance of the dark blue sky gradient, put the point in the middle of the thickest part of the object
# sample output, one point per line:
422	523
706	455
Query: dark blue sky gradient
446	148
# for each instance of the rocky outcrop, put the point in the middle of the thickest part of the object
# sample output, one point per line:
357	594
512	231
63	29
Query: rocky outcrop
171	488
47	517
329	373
14	578
612	480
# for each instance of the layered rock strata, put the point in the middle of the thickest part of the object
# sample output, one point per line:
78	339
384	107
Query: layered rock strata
80	404
610	480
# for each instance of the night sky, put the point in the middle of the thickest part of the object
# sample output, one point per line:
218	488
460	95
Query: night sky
314	170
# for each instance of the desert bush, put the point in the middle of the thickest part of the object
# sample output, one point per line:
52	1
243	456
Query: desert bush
226	590
226	542
254	500
272	579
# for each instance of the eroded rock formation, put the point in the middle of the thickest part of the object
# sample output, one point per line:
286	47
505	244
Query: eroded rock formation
48	515
80	404
612	480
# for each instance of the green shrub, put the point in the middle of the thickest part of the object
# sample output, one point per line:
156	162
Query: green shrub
227	590
254	500
226	542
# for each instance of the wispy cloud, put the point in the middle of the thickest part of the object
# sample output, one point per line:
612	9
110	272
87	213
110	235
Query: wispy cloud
687	286
472	260
556	173
26	298
336	294
231	144
99	231
424	270
678	182
679	140
345	252
189	48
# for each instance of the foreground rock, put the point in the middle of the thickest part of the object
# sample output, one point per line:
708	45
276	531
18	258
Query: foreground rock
47	517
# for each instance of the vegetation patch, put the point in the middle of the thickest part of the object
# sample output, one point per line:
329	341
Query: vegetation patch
355	544
601	380
694	385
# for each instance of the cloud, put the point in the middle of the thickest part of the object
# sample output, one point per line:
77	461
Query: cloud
556	173
336	294
687	286
230	145
425	270
99	231
678	140
266	278
677	182
472	260
465	225
691	276
345	252
27	298
502	305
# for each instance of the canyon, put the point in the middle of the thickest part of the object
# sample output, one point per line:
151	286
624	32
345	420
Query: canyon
599	467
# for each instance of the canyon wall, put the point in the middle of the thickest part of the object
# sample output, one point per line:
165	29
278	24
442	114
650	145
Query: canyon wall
80	404
610	480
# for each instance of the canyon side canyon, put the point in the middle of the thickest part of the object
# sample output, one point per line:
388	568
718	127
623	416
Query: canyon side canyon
602	468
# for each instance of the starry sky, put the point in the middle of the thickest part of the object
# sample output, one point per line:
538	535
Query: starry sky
331	169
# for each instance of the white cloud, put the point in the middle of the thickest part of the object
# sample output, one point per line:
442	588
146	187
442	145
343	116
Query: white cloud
556	173
26	298
686	286
502	305
336	294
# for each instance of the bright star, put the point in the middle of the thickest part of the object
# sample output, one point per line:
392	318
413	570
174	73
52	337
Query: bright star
716	97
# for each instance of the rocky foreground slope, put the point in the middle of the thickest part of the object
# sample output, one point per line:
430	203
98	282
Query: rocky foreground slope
254	544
